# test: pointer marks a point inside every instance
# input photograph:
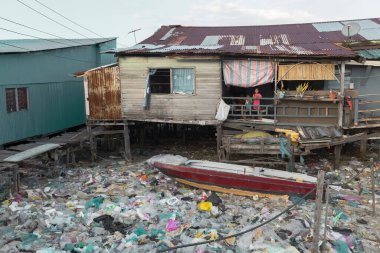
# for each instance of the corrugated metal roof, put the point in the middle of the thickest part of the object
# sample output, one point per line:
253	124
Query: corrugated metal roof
370	34
322	39
20	45
328	26
369	53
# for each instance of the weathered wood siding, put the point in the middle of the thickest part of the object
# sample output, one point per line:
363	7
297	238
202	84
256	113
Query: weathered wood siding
176	107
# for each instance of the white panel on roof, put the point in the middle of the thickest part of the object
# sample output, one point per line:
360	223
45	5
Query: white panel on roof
370	34
328	26
364	24
210	40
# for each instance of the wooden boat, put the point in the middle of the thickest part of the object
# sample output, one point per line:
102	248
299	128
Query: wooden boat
217	176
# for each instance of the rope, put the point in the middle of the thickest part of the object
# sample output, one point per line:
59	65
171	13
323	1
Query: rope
242	232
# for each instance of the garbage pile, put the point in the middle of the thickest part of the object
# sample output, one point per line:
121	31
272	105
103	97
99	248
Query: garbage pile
116	207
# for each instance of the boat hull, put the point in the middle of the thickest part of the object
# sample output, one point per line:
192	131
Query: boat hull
236	181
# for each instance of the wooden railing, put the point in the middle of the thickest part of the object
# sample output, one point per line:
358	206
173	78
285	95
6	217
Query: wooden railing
274	109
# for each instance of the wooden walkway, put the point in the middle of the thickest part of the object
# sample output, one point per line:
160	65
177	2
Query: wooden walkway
68	144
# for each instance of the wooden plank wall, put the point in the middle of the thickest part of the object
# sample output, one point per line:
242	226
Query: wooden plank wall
201	106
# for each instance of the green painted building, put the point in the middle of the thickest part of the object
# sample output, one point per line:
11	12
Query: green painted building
38	93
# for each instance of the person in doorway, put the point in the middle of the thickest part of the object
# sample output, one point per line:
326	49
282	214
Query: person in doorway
256	101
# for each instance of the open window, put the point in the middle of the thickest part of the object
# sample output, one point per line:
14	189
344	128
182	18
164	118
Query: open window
172	80
16	99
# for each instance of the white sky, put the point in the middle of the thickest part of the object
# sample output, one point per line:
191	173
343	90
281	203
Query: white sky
115	18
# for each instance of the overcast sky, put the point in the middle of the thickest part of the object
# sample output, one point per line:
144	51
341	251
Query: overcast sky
115	18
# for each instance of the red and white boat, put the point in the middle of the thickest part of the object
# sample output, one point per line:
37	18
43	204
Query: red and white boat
232	178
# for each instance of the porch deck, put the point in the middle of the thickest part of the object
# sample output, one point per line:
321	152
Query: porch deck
314	118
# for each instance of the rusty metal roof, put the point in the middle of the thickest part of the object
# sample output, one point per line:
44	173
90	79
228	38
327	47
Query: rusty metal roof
323	40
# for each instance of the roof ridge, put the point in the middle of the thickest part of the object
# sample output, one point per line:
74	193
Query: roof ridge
308	23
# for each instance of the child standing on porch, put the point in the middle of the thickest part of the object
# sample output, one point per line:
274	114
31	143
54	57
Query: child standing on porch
256	100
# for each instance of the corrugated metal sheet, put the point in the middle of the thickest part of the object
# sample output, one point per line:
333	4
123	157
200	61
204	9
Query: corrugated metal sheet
364	24
370	34
56	98
328	26
39	44
52	108
369	53
210	40
310	39
104	93
168	34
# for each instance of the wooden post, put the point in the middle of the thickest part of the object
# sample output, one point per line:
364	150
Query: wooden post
56	161
16	181
318	210
363	147
356	111
127	143
68	156
141	137
373	187
275	102
218	140
92	143
337	153
327	196
340	107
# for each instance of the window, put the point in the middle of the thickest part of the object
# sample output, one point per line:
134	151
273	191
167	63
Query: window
16	99
176	80
159	81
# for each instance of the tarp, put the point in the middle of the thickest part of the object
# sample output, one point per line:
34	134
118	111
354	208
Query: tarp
245	73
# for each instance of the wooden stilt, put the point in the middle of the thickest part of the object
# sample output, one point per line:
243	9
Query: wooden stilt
318	211
327	196
127	143
56	162
68	156
363	147
373	187
141	137
218	140
337	153
16	179
92	143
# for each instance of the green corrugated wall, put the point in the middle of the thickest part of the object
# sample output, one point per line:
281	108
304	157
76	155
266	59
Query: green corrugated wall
56	98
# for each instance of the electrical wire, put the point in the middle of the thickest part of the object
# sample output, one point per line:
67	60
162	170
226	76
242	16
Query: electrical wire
36	37
72	21
14	22
53	20
67	18
245	231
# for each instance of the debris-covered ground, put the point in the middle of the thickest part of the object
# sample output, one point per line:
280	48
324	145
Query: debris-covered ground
120	207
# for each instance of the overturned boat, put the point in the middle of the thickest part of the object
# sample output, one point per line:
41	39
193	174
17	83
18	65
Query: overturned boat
232	178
